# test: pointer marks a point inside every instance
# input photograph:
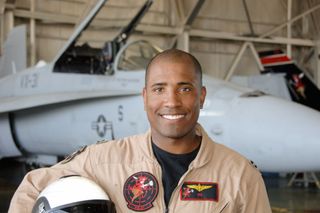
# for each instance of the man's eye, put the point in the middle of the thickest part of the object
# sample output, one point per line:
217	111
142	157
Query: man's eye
186	89
158	89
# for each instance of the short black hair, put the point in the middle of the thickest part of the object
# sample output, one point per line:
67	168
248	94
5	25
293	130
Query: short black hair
173	54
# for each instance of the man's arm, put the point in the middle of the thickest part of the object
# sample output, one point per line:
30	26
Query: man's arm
255	198
35	181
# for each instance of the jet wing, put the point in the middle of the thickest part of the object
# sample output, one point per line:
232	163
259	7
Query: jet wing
23	102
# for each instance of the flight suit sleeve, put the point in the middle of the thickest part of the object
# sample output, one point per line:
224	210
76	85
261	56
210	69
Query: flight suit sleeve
255	198
35	181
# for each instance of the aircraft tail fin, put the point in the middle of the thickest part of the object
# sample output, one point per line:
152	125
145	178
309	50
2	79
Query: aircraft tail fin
14	57
301	86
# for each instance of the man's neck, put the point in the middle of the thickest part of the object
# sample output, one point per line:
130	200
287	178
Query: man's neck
182	145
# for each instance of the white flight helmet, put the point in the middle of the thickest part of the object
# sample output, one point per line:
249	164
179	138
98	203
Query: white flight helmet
73	194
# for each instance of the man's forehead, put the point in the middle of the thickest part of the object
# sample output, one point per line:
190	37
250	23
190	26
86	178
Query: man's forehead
162	66
182	58
181	76
173	71
170	62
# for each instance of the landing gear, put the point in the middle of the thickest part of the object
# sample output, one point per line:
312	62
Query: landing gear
306	178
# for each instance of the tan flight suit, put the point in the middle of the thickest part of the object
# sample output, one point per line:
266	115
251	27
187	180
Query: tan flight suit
218	180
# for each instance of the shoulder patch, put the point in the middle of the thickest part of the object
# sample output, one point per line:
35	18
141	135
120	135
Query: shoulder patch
73	155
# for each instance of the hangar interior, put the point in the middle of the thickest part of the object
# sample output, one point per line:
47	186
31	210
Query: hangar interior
225	35
215	31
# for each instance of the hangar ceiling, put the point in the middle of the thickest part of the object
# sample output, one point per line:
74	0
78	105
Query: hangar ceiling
214	30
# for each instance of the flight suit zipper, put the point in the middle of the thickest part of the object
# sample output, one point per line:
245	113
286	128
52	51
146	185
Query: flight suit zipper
178	187
160	183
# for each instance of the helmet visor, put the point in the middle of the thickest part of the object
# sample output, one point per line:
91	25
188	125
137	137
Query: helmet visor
86	207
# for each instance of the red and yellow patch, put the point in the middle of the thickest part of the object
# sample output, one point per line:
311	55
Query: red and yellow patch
140	190
199	191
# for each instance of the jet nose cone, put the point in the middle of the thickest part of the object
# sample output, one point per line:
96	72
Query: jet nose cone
278	135
288	133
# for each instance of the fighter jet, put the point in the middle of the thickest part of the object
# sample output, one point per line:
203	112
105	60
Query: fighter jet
85	95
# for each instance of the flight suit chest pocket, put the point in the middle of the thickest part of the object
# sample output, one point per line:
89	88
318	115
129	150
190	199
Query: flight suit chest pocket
201	197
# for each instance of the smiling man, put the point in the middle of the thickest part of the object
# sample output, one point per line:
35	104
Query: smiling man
174	167
209	177
173	96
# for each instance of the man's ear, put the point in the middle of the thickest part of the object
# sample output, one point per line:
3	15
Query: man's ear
203	96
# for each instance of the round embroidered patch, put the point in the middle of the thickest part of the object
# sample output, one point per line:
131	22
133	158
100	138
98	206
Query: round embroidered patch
140	190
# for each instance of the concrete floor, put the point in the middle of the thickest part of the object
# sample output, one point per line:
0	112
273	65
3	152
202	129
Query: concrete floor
283	199
294	199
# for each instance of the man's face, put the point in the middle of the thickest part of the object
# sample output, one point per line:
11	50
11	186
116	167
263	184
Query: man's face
173	98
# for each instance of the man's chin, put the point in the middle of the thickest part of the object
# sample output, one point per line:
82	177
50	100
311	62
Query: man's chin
173	133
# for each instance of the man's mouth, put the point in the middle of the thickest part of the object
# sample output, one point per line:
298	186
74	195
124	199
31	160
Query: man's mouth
173	117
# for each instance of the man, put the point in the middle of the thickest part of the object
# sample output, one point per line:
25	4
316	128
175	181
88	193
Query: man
174	167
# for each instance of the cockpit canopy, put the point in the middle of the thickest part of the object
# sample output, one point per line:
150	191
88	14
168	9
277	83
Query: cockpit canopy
85	59
136	56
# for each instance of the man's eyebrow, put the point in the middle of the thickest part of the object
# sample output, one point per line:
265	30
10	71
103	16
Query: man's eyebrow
158	84
179	83
185	83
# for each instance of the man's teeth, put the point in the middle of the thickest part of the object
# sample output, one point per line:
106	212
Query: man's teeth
172	117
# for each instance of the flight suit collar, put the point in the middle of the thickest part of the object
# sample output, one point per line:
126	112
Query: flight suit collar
203	156
206	149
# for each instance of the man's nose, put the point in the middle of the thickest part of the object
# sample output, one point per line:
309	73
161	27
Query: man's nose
172	99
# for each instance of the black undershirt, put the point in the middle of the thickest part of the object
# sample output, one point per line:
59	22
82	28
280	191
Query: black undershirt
173	167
